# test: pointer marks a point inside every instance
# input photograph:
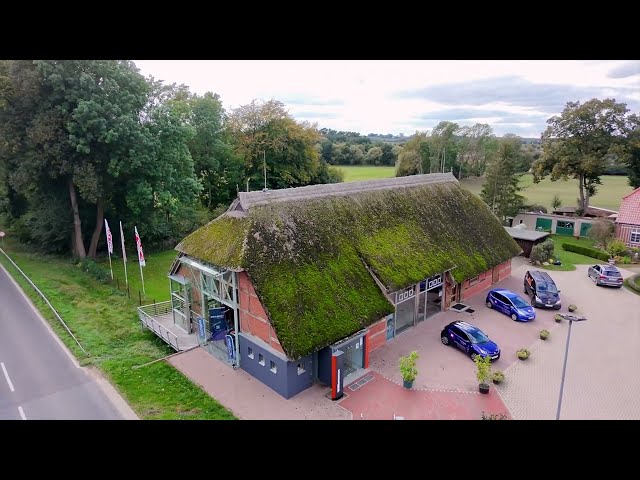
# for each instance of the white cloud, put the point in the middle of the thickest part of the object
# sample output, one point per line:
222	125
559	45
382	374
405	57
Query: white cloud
363	95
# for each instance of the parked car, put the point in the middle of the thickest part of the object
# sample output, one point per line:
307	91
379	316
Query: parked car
511	304
470	340
541	289
605	275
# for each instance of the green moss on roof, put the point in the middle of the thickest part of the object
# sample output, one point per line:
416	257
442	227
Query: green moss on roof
220	242
307	258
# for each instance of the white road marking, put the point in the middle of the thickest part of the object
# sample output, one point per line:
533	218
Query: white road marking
6	375
22	415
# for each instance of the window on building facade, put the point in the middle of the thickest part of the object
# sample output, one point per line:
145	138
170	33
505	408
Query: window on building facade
272	366
473	281
250	353
261	359
635	236
301	369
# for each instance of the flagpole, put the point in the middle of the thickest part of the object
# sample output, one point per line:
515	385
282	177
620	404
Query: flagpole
141	261
142	278
124	255
110	267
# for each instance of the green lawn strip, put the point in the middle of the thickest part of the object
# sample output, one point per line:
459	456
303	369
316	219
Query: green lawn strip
105	322
571	257
156	283
633	284
354	173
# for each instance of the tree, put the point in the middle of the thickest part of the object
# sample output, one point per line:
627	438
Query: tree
415	156
576	143
374	156
601	231
556	203
633	152
501	188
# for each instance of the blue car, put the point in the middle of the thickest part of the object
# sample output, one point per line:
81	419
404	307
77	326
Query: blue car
511	304
470	340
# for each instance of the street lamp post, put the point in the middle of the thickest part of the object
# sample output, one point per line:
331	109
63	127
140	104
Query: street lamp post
571	318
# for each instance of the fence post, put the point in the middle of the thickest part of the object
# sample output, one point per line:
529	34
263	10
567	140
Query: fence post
139	298
118	283
128	292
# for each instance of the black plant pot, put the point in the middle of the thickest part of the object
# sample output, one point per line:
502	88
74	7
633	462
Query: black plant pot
407	383
484	388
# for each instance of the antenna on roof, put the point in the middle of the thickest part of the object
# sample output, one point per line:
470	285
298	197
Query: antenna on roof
264	166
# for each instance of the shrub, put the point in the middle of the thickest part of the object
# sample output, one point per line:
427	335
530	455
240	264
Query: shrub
544	334
92	268
558	318
572	308
483	368
494	416
408	368
616	247
523	354
548	247
601	231
556	202
587	251
538	254
497	377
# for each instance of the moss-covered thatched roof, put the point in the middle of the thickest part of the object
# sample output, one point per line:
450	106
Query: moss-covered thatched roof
307	255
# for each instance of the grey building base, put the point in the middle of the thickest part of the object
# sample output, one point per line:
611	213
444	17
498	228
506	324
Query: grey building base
287	377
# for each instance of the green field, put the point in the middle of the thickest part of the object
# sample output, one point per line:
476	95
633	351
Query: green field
105	322
609	194
156	283
354	173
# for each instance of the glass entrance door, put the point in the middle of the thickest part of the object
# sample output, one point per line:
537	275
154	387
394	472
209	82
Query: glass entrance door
353	357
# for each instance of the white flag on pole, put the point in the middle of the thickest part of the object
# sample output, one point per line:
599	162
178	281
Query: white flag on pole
140	252
109	237
124	253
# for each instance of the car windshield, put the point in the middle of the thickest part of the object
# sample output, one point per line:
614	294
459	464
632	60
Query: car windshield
478	337
518	302
612	273
547	288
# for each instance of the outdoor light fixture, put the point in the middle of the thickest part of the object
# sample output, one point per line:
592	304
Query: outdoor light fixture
571	318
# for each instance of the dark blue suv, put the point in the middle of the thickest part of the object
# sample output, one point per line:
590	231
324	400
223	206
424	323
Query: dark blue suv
470	340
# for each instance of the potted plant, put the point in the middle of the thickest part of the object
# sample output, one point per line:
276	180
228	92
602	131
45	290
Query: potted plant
558	318
483	372
497	377
523	354
544	334
572	308
408	369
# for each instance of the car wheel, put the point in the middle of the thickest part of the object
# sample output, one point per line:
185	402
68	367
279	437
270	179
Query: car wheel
473	356
489	304
445	340
514	317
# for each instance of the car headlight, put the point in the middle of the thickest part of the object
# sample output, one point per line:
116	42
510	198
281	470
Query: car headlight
538	299
558	302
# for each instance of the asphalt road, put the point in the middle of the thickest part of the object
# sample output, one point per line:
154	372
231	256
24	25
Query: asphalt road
38	378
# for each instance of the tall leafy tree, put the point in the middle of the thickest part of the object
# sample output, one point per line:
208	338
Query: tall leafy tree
501	189
415	156
577	142
633	152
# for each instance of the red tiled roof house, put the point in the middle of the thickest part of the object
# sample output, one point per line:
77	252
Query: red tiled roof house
628	220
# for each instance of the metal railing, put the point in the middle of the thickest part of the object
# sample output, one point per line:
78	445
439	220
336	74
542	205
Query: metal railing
162	308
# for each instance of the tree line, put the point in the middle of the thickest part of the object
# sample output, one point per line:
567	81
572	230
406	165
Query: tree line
85	139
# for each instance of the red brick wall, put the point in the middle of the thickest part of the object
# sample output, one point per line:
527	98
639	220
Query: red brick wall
623	232
253	317
485	280
377	335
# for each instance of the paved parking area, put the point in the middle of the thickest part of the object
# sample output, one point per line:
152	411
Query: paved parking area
602	380
447	368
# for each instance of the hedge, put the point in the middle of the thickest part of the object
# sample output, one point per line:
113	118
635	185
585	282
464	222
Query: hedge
587	251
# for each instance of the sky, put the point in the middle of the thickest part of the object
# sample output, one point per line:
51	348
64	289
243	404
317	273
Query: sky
403	96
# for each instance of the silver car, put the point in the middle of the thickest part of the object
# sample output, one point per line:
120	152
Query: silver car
605	275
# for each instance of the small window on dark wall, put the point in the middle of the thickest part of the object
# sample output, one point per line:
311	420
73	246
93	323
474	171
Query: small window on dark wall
272	366
473	281
301	369
250	352
261	359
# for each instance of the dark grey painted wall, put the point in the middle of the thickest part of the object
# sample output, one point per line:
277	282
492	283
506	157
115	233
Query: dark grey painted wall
287	382
324	365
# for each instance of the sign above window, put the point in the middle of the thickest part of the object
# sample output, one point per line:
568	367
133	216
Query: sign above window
405	294
434	282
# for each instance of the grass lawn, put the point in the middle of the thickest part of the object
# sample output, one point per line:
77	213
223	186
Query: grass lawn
156	283
635	280
105	322
609	194
570	259
353	173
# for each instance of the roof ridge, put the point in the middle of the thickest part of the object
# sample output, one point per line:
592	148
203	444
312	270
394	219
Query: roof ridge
629	194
